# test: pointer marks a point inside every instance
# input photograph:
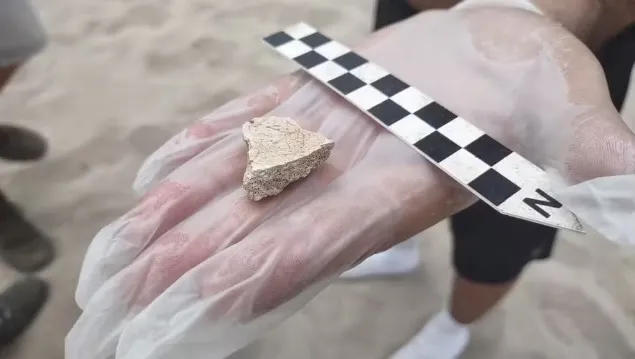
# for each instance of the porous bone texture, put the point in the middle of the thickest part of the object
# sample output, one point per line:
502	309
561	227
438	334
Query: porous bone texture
280	152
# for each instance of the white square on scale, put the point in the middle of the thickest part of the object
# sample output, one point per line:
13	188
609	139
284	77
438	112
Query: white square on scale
327	71
332	50
520	171
411	129
411	99
464	166
293	49
366	97
461	132
369	72
300	30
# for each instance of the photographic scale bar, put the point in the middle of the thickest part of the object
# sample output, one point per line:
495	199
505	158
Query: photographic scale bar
497	175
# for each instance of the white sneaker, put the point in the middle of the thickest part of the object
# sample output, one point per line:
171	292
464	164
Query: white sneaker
401	259
441	338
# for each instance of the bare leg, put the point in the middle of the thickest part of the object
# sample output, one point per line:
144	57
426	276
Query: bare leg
446	335
490	252
470	300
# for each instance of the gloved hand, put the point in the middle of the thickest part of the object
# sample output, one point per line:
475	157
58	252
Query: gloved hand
196	270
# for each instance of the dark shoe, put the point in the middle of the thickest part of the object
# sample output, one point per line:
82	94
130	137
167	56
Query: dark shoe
19	306
21	144
22	245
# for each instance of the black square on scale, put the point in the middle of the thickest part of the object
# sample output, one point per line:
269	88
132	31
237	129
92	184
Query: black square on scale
488	150
315	39
346	83
389	85
388	112
494	187
310	59
277	39
437	146
435	115
350	61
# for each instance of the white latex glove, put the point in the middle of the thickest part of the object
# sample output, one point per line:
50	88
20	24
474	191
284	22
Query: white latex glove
197	271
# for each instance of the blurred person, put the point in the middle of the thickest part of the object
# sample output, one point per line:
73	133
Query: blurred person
490	250
22	245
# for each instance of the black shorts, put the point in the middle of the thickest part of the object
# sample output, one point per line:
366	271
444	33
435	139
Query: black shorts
490	247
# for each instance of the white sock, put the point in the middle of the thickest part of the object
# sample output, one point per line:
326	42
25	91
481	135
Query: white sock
441	338
400	259
520	4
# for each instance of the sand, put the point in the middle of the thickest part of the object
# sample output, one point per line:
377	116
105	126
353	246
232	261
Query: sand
120	77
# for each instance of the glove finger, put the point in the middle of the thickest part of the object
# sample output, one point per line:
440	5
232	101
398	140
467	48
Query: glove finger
176	198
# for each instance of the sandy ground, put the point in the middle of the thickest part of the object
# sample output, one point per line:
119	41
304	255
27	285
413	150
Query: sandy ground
121	76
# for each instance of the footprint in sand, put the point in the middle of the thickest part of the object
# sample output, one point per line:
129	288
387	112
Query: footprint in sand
102	151
203	49
280	13
203	102
575	255
152	15
579	324
147	139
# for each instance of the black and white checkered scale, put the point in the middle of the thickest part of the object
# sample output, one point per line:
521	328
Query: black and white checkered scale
497	175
